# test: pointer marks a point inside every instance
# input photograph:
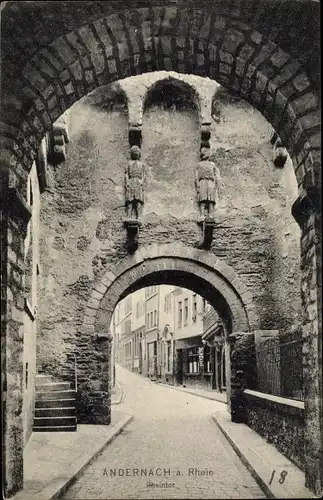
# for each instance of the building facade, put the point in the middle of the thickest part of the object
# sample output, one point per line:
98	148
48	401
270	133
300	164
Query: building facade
173	335
216	349
190	355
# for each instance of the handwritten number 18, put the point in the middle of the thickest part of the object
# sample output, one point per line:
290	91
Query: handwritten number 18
283	475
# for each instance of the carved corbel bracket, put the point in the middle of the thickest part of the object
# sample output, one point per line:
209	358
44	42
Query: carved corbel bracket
104	337
205	135
135	135
58	138
132	226
308	201
208	225
41	165
279	152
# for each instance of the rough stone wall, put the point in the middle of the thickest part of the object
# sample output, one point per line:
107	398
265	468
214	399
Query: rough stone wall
86	194
279	424
256	234
82	213
311	291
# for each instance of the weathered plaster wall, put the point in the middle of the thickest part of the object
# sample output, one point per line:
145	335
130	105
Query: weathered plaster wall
256	232
30	313
82	214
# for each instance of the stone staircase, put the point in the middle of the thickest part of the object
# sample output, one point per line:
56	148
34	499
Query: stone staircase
55	406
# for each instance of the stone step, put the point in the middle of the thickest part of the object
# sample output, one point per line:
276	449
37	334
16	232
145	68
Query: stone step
54	421
43	379
56	428
48	395
55	412
53	386
55	403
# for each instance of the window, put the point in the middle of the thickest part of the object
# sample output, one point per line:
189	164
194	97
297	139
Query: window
139	309
127	326
128	350
207	359
168	303
169	356
223	372
204	305
136	345
151	319
26	376
180	314
185	312
128	304
193	360
150	290
194	309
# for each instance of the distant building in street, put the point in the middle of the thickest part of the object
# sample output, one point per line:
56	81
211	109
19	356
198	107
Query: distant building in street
171	334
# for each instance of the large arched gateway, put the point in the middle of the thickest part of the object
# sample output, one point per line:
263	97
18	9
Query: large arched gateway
156	264
54	53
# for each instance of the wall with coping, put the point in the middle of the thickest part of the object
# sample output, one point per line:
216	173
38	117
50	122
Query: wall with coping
280	421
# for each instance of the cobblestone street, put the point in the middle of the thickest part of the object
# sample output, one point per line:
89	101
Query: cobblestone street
172	433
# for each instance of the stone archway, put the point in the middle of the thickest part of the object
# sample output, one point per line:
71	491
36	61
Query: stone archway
156	264
160	257
221	44
56	53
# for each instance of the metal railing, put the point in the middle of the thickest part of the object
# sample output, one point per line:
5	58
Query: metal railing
279	365
75	374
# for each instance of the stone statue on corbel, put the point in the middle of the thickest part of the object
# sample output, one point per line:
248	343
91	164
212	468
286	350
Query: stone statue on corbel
135	177
207	179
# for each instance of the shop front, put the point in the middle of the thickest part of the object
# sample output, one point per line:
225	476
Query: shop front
199	362
214	346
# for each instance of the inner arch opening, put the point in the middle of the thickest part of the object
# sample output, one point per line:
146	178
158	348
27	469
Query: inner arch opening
171	93
164	329
188	281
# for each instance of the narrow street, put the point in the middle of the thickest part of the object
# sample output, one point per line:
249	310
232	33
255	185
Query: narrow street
173	435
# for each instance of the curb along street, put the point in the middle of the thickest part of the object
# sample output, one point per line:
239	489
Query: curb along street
191	392
81	466
261	459
61	486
